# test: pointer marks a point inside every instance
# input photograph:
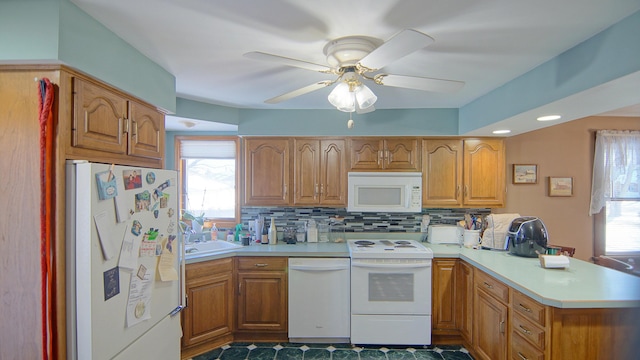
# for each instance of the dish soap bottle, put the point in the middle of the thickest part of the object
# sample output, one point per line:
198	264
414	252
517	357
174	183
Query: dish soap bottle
214	232
273	232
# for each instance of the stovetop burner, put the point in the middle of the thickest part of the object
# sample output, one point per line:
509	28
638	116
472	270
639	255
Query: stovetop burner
388	248
364	242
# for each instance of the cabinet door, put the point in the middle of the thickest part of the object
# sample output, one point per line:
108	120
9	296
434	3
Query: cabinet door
262	301
484	168
402	154
333	172
99	118
444	294
490	335
146	131
464	300
442	172
209	311
266	172
366	153
306	180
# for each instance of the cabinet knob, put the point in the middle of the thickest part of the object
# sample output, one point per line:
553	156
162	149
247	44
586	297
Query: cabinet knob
489	286
522	356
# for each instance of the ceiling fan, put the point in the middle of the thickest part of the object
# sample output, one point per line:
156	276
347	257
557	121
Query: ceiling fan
356	58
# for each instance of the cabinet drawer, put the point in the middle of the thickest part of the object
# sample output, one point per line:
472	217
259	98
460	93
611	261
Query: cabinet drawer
527	330
522	350
528	308
202	269
492	286
262	263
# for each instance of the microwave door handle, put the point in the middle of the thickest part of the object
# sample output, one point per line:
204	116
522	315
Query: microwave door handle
391	266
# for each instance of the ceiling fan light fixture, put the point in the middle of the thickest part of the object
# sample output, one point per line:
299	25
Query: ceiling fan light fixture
365	97
342	98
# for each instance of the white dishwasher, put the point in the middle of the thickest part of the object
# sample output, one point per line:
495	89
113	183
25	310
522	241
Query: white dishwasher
319	301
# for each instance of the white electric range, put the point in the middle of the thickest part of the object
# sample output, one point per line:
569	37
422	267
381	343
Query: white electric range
390	292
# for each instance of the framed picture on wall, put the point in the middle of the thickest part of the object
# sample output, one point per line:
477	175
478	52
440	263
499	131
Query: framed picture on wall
525	174
560	186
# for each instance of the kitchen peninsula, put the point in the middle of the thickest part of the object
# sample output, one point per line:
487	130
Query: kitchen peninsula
503	306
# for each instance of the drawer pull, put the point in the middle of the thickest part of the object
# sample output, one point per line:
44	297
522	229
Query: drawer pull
261	265
524	308
522	356
525	330
489	286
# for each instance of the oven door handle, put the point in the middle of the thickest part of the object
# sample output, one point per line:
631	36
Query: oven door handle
391	266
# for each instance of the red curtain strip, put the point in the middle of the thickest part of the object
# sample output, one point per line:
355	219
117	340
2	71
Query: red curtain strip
47	205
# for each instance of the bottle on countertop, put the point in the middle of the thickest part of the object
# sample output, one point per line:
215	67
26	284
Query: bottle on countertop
214	232
230	236
312	231
265	235
273	232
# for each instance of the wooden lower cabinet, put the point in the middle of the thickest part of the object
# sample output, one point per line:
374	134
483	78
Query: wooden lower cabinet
262	299
490	332
443	312
207	321
452	301
464	300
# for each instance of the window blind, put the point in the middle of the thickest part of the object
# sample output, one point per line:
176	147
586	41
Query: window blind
207	149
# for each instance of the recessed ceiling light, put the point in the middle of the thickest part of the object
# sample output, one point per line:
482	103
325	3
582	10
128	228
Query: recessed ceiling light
501	131
549	118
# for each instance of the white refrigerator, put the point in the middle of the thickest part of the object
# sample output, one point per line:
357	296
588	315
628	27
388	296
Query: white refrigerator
125	267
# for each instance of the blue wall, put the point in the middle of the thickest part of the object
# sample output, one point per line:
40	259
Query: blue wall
58	31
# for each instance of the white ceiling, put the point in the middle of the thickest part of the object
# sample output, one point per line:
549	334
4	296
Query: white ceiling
484	43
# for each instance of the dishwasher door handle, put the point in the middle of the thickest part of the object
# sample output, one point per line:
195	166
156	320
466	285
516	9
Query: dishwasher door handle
390	266
318	268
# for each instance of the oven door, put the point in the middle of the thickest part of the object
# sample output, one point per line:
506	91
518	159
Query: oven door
391	286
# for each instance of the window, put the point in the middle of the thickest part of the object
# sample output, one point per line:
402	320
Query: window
615	188
209	176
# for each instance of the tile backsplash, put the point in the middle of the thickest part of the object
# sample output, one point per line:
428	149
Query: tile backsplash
357	221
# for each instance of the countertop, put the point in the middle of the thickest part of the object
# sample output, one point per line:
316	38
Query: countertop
582	285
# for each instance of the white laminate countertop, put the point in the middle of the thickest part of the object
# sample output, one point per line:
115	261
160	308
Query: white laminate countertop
582	285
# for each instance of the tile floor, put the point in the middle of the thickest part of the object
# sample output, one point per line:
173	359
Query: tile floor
298	351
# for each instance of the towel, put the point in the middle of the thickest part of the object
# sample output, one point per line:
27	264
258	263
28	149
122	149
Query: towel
495	233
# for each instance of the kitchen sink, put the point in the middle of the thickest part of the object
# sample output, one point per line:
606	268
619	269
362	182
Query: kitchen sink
208	247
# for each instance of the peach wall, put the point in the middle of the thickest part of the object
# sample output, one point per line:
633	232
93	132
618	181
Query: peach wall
561	150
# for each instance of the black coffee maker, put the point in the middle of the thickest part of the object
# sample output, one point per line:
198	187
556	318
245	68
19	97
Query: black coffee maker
527	236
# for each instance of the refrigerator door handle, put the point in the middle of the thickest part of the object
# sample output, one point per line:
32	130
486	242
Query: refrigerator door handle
176	311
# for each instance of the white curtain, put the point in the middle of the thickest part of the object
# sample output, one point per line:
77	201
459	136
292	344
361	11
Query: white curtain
617	154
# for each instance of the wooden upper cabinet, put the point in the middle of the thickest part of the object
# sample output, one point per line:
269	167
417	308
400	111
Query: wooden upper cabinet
398	154
484	172
100	118
467	172
107	124
146	131
320	172
442	172
266	168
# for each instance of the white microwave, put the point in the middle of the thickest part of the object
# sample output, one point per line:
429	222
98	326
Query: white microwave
385	192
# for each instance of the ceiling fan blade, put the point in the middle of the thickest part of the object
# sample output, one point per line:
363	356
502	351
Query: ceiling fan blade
399	46
257	55
298	92
419	83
